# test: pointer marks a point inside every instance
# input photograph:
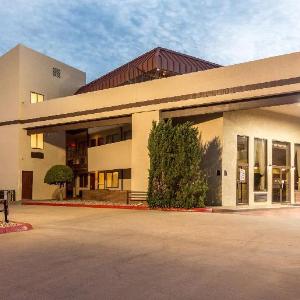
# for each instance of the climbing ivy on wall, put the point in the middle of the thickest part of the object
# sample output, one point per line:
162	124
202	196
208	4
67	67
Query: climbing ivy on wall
175	175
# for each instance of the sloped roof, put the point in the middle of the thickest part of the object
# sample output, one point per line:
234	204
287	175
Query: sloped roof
157	63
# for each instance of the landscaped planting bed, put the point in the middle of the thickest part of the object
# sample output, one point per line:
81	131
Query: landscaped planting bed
106	204
14	227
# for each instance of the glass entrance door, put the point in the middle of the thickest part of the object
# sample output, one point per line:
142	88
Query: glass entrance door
242	177
280	190
281	172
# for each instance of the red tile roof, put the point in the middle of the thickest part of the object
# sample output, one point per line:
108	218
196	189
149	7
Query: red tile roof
157	63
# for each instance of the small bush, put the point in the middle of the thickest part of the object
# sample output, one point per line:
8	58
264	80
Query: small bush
59	175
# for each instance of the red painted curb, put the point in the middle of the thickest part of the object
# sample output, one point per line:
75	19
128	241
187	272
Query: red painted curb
87	205
142	207
17	228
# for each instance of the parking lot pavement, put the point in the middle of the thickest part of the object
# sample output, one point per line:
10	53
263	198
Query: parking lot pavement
84	253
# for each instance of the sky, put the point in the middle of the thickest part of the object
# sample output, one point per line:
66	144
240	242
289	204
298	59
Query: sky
97	36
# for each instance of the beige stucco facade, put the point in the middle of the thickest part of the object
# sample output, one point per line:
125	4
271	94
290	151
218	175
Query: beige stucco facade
23	71
110	157
255	99
258	123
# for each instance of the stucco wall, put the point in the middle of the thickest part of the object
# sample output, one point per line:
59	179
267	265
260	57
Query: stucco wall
9	110
23	70
9	86
54	154
141	127
211	129
260	124
9	158
36	75
110	156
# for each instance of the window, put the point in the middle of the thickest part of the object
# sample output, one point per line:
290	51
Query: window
242	169
108	179
83	180
36	98
112	179
101	180
37	141
127	135
100	141
242	154
92	142
108	139
281	154
113	138
297	167
260	165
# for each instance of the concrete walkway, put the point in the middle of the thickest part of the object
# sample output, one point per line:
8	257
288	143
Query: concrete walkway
84	253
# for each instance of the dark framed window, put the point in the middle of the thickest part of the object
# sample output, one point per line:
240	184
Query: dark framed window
92	142
101	180
112	179
100	141
108	179
113	138
83	180
281	154
37	141
108	139
297	167
242	192
127	135
260	165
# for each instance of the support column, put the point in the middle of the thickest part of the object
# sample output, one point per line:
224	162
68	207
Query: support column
141	127
292	173
251	170
269	171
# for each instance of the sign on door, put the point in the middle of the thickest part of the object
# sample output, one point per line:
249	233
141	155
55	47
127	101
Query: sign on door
242	175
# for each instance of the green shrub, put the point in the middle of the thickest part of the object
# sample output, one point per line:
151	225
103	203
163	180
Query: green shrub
59	175
175	175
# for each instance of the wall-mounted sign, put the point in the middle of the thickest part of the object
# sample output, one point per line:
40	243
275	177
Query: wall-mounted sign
242	175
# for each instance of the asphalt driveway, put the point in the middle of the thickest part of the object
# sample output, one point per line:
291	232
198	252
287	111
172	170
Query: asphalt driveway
85	253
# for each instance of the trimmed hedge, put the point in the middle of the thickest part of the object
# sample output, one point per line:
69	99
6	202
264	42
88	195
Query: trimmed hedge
175	175
59	175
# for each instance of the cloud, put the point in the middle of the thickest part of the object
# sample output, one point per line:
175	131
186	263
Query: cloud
97	36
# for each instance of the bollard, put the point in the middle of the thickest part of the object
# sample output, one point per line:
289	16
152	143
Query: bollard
6	211
4	201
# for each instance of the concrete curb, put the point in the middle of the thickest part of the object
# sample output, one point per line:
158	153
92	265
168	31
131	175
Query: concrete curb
253	209
16	228
141	207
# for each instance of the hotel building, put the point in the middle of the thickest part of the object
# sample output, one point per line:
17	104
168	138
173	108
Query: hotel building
248	115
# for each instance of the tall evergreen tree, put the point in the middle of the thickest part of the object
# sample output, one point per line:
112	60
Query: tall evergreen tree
175	175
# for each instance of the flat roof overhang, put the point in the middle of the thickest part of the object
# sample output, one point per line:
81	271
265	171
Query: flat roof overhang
189	111
81	125
233	105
